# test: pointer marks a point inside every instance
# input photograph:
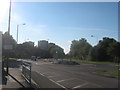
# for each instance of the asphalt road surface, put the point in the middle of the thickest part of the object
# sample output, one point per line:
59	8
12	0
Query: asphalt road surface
75	76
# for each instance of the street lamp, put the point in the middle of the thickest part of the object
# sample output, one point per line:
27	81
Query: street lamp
9	20
18	29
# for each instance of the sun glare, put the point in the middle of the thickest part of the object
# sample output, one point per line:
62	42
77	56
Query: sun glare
4	5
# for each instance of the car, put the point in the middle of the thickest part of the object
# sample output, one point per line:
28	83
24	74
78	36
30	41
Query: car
38	58
33	58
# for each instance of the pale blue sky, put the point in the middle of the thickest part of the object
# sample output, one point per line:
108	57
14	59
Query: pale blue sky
62	22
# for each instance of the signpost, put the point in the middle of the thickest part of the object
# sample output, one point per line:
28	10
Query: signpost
7	46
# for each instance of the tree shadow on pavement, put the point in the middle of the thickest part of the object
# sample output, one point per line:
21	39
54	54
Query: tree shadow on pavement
4	79
13	64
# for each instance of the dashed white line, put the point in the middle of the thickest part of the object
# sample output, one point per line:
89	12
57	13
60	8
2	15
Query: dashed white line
51	76
48	72
57	83
40	73
66	79
80	85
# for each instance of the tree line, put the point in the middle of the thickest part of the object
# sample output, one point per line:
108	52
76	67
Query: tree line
27	49
107	49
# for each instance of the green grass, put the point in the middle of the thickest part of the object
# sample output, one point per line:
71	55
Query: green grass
92	62
108	72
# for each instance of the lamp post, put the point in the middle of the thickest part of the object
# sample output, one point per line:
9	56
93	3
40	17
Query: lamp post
18	29
9	19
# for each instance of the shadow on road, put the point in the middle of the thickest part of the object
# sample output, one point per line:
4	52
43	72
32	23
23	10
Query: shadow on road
15	74
13	64
16	80
4	79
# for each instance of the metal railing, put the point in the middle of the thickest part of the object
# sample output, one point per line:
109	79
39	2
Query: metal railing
26	72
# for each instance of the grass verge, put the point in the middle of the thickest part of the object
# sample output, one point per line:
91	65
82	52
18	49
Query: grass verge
93	62
113	73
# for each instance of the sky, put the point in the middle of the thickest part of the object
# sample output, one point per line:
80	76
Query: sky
61	22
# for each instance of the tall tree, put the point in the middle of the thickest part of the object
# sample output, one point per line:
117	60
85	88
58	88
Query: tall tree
106	50
80	49
114	51
8	40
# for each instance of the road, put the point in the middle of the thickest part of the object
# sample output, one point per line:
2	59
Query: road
75	76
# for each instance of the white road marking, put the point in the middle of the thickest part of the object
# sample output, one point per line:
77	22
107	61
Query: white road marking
51	76
20	69
80	86
57	83
41	74
66	79
48	72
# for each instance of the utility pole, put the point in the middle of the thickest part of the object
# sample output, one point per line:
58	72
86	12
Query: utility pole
17	32
9	19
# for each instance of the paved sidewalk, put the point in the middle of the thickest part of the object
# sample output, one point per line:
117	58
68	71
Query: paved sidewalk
15	80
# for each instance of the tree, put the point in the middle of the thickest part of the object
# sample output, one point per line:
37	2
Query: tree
8	39
56	52
80	49
25	50
106	50
92	54
114	51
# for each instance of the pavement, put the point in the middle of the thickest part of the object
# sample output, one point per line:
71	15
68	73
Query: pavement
69	77
73	76
14	79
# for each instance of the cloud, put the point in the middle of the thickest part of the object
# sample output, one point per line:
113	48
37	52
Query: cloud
66	49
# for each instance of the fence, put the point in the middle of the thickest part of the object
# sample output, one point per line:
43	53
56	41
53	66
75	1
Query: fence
26	72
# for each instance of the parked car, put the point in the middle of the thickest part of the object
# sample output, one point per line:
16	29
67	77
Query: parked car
33	58
38	58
